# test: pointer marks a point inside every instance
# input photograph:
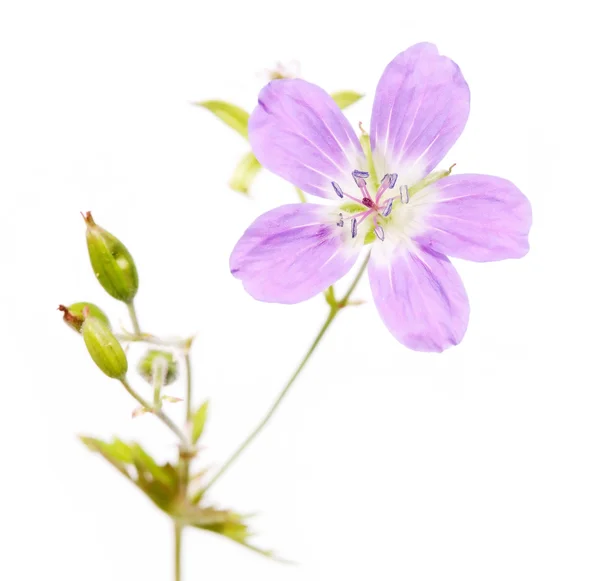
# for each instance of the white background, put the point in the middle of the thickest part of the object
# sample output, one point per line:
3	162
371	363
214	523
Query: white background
480	463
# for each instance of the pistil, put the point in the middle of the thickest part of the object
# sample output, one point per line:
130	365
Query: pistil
372	205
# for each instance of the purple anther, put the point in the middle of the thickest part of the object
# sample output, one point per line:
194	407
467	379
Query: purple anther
387	210
354	229
337	189
360	174
393	177
379	232
340	222
404	194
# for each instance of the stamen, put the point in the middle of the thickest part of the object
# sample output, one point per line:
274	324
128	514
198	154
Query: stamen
354	229
340	222
337	189
360	182
380	233
353	198
359	178
388	182
404	194
362	186
362	216
388	208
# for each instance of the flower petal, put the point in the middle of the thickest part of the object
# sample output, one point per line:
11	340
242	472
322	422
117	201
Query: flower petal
299	133
421	107
293	252
420	297
477	217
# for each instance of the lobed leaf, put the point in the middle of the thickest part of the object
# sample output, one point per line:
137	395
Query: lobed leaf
161	484
231	525
158	482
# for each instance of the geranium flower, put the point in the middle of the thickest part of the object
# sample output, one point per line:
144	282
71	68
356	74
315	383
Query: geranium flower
413	219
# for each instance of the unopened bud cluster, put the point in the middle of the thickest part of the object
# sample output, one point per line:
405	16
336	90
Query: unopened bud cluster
148	365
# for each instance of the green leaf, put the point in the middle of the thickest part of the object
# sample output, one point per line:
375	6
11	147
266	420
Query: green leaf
161	484
244	174
204	516
144	461
198	421
117	453
232	115
158	482
231	525
346	98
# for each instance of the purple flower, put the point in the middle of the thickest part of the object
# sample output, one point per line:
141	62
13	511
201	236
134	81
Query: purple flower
412	217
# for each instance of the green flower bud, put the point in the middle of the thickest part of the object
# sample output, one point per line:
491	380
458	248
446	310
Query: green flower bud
73	314
113	265
147	365
103	346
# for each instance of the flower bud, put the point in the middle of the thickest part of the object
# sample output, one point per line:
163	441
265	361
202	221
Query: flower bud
147	365
73	314
113	265
103	346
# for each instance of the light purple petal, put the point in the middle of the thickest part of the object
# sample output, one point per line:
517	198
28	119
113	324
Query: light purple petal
299	133
293	252
477	217
421	107
420	297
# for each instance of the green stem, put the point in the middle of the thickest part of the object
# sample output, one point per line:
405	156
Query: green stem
151	339
184	453
333	312
134	319
158	413
160	368
184	458
177	531
188	385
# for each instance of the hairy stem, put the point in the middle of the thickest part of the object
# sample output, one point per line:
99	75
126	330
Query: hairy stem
184	451
177	529
159	376
151	339
188	385
184	458
333	312
134	318
158	413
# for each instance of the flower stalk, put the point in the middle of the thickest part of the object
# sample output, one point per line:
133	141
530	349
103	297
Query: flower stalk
334	309
158	413
134	318
178	530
